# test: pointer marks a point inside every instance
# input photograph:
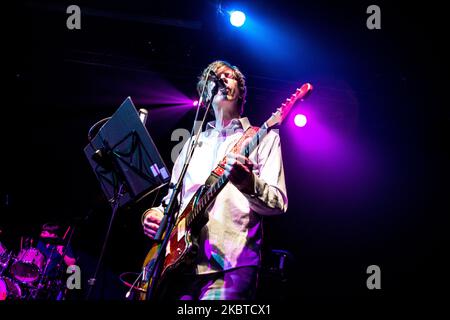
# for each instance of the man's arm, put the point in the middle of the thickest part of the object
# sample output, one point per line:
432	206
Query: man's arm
68	257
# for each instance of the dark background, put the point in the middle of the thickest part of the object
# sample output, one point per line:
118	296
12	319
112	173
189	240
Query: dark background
378	89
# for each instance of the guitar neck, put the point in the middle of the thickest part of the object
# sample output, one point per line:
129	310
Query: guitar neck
214	189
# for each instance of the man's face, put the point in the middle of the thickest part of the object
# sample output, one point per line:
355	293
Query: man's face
227	76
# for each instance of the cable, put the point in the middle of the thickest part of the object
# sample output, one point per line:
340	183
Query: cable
92	129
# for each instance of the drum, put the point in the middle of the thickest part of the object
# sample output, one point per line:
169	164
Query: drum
9	289
2	249
28	265
5	256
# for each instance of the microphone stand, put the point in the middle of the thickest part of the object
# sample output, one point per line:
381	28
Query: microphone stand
61	293
167	222
115	202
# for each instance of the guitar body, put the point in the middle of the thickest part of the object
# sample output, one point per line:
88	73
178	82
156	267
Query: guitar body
181	250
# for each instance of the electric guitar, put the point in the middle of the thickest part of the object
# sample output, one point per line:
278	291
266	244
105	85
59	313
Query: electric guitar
183	242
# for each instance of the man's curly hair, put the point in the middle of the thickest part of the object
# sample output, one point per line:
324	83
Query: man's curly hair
237	74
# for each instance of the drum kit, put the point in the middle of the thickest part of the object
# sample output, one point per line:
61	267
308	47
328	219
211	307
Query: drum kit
22	276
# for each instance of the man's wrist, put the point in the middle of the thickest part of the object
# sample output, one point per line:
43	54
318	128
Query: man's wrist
251	190
146	212
144	215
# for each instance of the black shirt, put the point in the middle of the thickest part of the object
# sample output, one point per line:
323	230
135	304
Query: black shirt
53	258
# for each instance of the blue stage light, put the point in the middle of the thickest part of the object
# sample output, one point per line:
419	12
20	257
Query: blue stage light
237	18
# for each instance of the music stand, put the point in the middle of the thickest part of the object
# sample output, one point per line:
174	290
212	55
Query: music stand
126	163
123	152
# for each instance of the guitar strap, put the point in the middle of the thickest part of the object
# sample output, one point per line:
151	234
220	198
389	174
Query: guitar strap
220	169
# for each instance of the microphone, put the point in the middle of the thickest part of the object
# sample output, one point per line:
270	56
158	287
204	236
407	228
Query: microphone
212	84
220	85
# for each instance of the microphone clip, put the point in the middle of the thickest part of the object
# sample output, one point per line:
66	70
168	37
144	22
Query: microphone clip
104	158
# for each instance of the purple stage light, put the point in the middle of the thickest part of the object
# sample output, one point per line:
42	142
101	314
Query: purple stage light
300	120
195	103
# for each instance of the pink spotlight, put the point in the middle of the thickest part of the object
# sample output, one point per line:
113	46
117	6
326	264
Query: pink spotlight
195	103
300	120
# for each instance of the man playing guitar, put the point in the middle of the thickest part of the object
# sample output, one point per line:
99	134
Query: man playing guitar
230	243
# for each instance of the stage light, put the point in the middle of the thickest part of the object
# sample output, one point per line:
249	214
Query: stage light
195	103
237	18
300	120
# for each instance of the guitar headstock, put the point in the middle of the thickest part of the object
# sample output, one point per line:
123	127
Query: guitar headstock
283	111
